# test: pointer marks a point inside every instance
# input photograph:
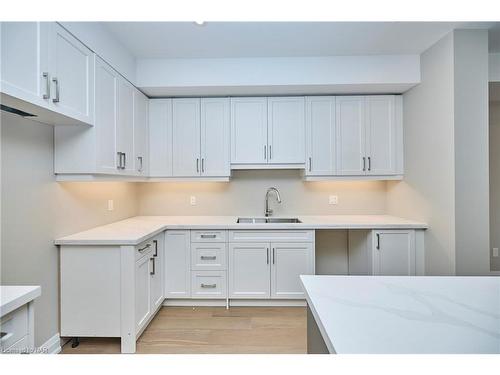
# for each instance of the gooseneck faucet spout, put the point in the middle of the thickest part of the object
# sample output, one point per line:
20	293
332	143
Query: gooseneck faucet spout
268	211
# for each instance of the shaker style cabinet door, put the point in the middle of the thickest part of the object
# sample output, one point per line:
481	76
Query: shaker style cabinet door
394	252
350	130
249	131
286	130
125	128
142	291
141	130
71	66
160	137
177	264
215	138
249	270
186	137
157	274
320	136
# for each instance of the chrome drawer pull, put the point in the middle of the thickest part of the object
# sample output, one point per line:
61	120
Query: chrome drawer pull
208	236
209	285
205	257
145	247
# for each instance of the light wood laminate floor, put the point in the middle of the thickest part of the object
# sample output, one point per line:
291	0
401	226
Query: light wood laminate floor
214	330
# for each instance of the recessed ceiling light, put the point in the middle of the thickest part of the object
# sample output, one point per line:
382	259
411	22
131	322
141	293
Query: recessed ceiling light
199	23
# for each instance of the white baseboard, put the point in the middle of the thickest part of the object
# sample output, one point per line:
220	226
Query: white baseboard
53	345
235	302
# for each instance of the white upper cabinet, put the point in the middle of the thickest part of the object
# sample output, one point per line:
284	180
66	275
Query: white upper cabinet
186	137
141	141
381	135
24	66
320	136
71	66
350	135
215	136
160	137
285	130
249	131
125	128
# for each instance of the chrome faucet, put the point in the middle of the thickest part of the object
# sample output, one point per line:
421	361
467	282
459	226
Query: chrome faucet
269	212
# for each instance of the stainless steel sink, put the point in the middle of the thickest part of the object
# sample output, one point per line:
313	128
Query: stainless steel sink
268	220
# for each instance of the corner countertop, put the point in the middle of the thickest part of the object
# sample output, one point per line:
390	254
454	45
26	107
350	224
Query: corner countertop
137	229
404	314
14	296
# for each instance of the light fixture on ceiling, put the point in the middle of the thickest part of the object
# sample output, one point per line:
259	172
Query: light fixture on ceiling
199	23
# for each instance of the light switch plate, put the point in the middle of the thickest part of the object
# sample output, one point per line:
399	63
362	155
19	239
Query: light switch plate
333	199
111	205
192	200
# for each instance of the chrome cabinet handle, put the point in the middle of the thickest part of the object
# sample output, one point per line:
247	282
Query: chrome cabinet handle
47	85
156	248
310	164
56	81
267	251
197	165
154	266
369	163
208	235
206	257
270	151
145	248
274	254
208	285
139	158
378	241
265	152
364	164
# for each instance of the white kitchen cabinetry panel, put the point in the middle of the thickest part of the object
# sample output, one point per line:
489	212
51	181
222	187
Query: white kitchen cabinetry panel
125	128
215	137
208	256
177	264
271	235
208	236
186	137
157	274
249	270
24	66
160	137
71	66
351	138
381	135
209	284
141	152
289	261
286	130
142	291
320	136
249	131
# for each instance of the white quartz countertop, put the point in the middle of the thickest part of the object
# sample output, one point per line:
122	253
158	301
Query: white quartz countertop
14	296
403	314
138	229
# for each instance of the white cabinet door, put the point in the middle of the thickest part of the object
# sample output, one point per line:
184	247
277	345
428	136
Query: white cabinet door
177	264
249	131
125	128
186	137
289	261
320	135
215	148
157	274
24	67
249	270
141	153
142	291
106	109
71	66
286	130
381	135
160	137
394	252
350	130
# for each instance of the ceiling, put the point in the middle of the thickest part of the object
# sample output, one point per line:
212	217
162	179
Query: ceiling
286	39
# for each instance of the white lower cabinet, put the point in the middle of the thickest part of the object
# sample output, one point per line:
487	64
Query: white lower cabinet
177	264
208	284
142	290
384	252
157	274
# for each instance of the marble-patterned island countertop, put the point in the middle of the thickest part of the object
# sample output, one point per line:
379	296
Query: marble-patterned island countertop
402	314
137	229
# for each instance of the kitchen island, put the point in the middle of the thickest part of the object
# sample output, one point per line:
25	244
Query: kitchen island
393	315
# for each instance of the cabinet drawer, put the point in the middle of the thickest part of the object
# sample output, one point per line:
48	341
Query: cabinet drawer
208	284
208	236
271	236
143	249
14	327
208	256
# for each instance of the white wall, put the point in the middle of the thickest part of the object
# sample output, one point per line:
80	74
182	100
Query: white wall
495	181
427	192
240	76
99	39
35	210
494	67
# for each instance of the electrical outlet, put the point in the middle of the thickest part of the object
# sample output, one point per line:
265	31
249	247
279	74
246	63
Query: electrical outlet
192	200
333	199
495	252
111	205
